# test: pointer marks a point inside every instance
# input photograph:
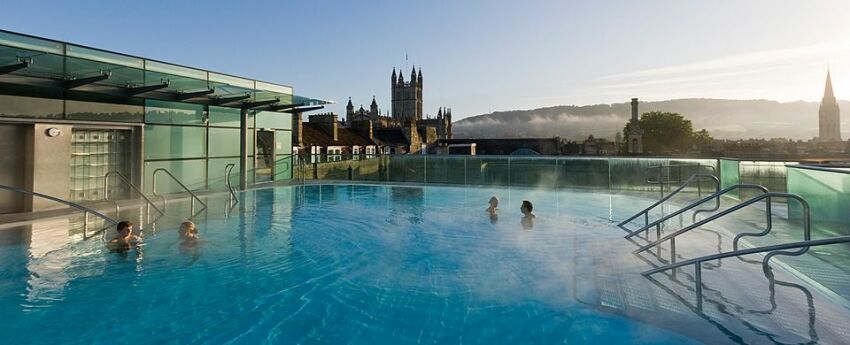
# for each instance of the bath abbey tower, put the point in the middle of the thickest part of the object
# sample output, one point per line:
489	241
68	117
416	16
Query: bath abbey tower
407	110
407	96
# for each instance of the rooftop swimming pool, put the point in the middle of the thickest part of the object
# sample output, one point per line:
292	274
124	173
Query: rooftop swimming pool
392	264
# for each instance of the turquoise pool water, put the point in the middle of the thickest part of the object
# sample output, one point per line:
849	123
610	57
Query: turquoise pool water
338	265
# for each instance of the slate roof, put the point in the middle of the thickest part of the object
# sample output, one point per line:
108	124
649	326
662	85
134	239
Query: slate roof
314	135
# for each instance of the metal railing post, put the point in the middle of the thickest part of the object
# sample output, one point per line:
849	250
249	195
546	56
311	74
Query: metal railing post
673	254
698	278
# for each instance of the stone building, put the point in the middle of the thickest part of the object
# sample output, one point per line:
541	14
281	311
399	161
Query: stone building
404	129
634	138
829	118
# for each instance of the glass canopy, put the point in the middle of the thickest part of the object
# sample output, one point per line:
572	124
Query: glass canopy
40	62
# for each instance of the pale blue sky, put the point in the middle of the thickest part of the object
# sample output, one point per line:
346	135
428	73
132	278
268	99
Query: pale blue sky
480	56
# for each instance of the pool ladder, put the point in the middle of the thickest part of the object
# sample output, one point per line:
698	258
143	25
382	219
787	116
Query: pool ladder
86	210
123	178
193	198
234	199
645	212
772	250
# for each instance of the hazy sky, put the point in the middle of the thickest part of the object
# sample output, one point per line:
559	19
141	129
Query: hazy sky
480	56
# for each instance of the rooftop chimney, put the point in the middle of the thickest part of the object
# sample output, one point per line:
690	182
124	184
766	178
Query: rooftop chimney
364	128
298	127
328	122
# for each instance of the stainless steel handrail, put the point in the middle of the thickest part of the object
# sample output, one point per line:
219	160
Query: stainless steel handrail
85	210
715	196
777	249
645	211
807	226
227	170
132	186
193	198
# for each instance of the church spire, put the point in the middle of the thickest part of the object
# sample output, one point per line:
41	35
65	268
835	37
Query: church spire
829	116
828	95
394	77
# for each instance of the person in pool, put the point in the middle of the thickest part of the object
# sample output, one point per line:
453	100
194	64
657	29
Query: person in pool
527	215
125	238
189	240
493	209
188	232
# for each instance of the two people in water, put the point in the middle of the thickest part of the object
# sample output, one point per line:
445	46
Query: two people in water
125	240
528	216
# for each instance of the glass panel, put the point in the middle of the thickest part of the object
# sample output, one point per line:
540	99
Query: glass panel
828	194
43	65
270	119
231	80
334	170
278	89
482	170
439	169
224	142
223	116
533	172
640	174
191	172
174	113
586	172
768	174
155	66
104	56
167	142
283	168
216	173
265	159
729	176
120	76
18	106
30	43
283	143
98	111
370	169
176	83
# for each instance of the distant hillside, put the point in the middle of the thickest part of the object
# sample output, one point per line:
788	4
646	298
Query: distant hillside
730	119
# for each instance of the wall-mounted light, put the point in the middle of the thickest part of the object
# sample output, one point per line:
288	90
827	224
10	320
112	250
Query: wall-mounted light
53	132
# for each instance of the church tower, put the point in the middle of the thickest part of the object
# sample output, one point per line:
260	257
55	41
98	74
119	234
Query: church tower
349	111
407	96
828	115
373	110
635	135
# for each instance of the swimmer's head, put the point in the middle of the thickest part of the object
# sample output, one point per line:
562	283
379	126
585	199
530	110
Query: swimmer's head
494	201
124	226
526	207
187	229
